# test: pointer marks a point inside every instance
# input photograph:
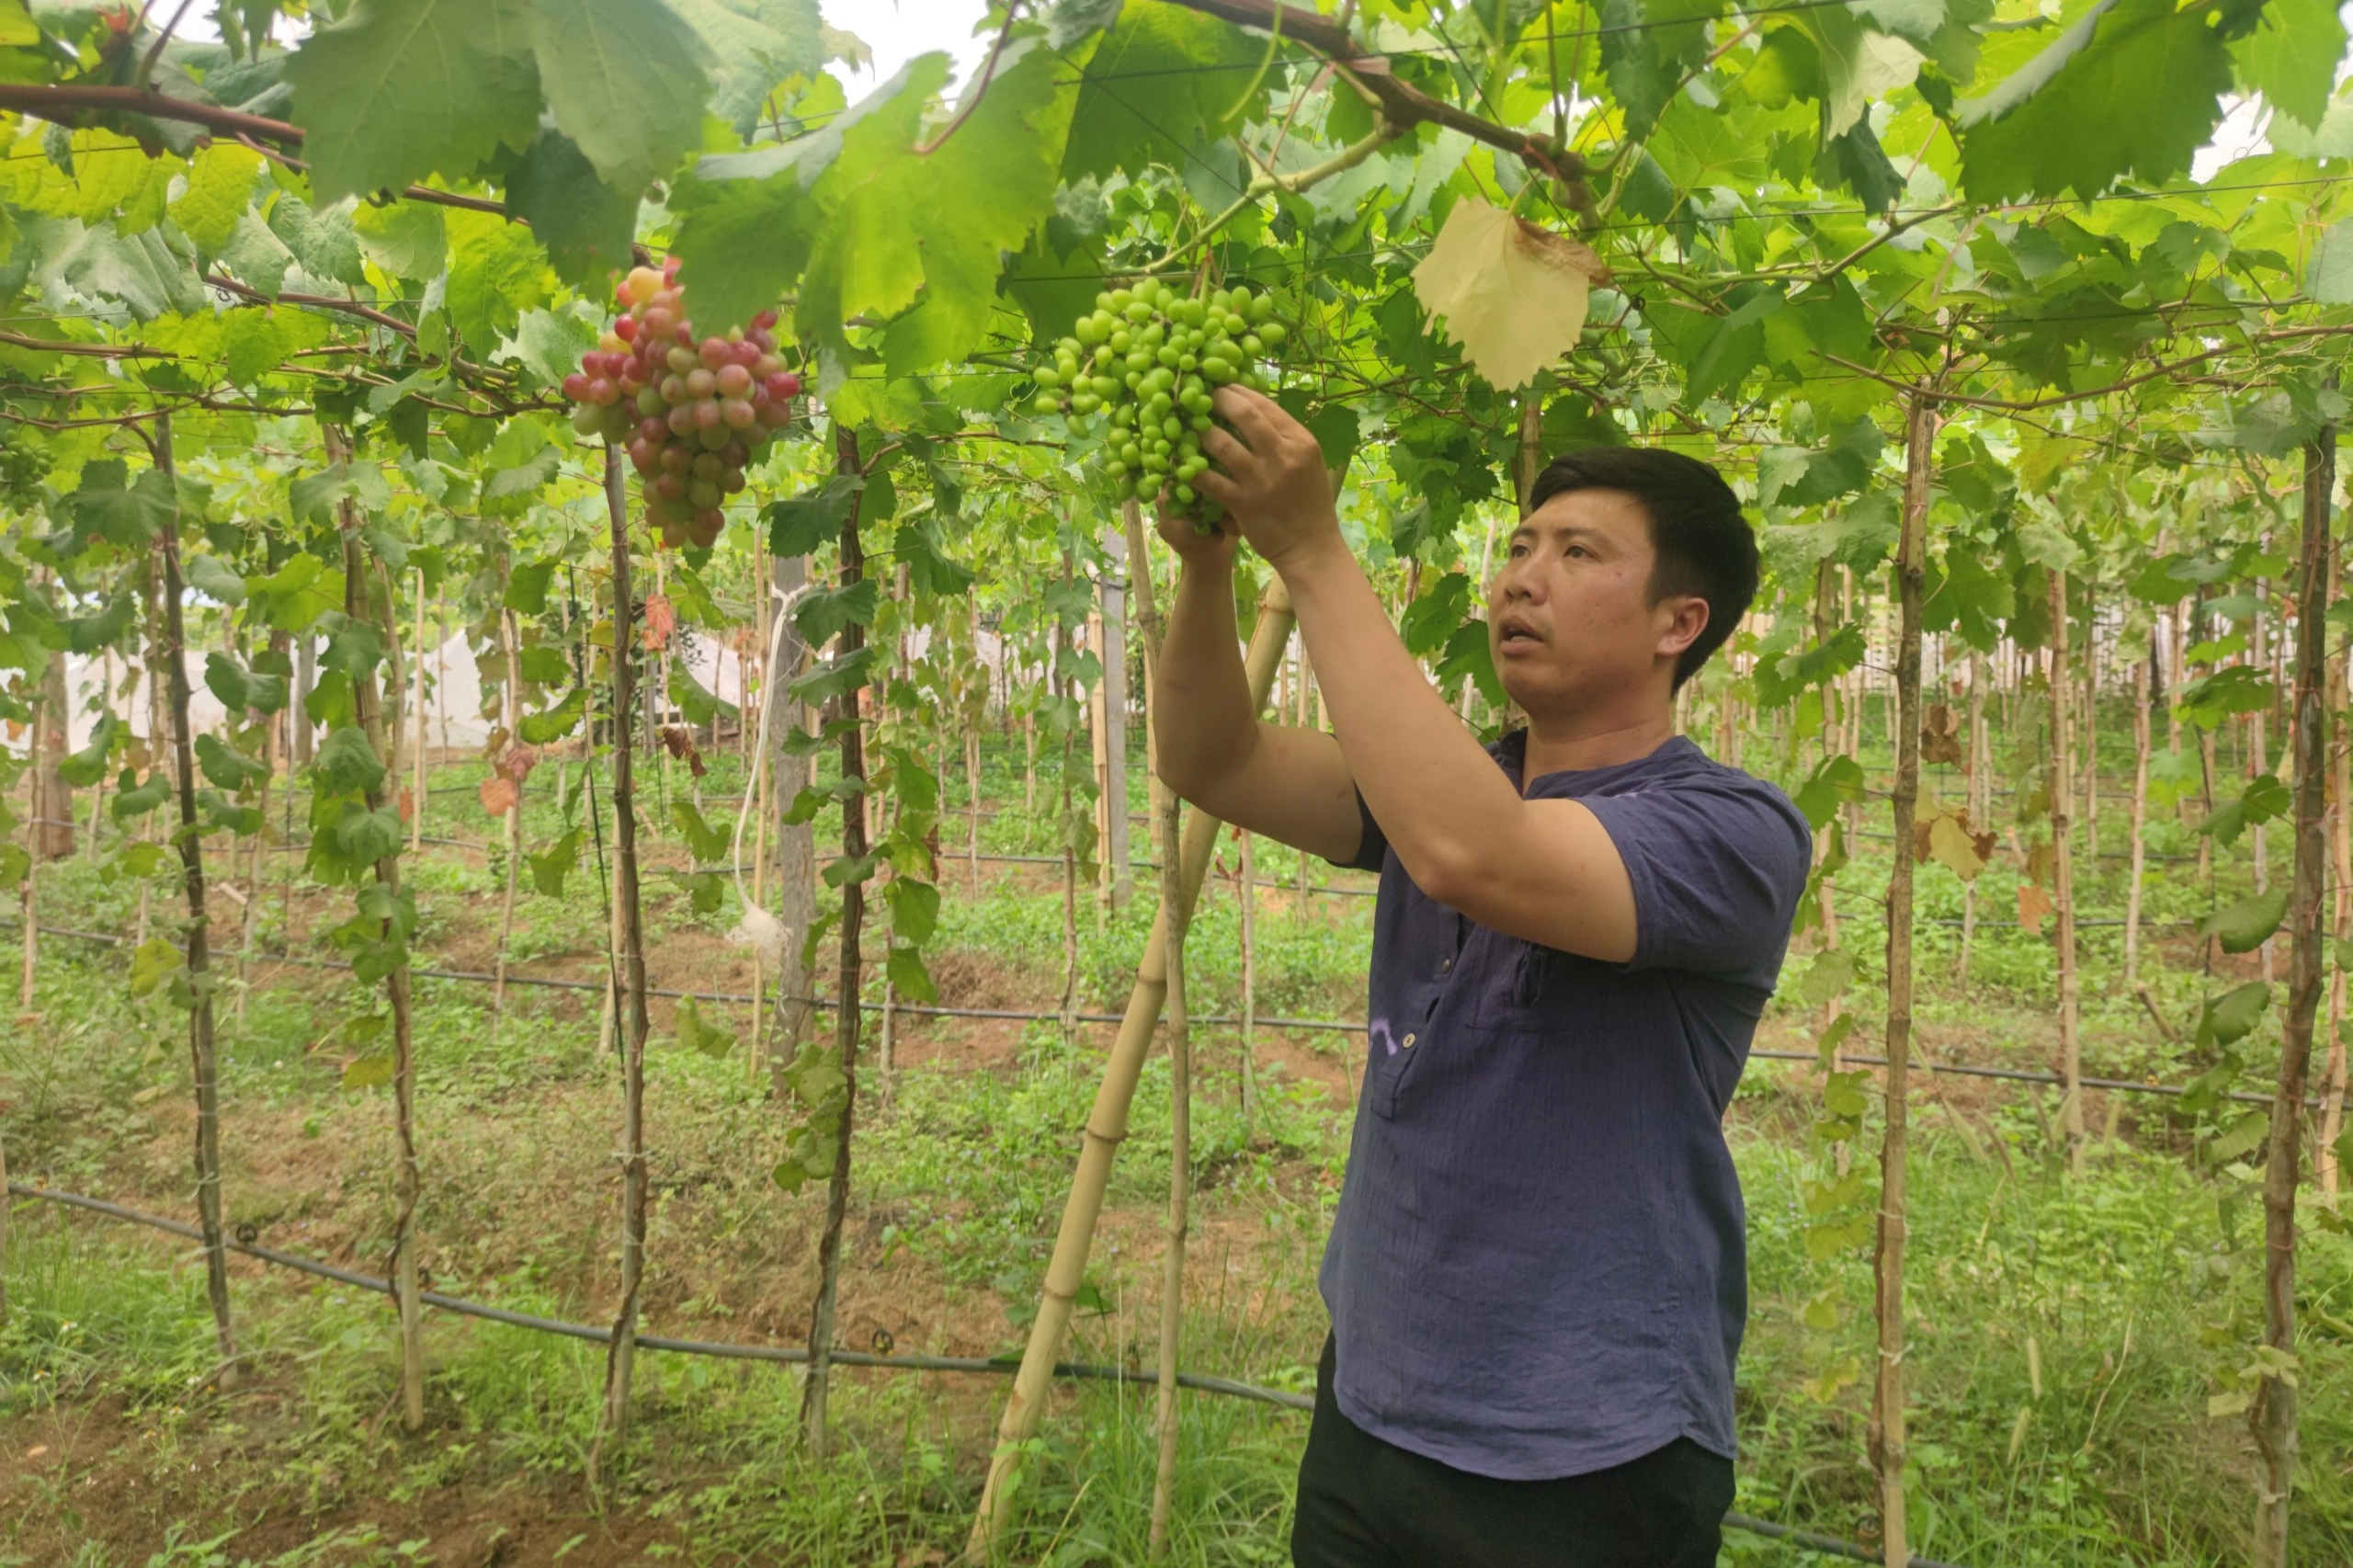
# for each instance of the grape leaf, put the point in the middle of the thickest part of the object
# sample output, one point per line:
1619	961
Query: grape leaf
406	239
2232	1016
322	239
550	867
220	192
2291	55
622	81
209	576
1162	84
2243	927
1514	295
549	344
908	975
981	192
2331	279
347	764
497	272
540	729
257	256
696	1035
586	222
2133	88
399	89
750	46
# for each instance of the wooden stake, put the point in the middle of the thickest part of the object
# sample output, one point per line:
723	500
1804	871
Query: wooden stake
1173	926
169	672
367	700
1886	1433
1106	1122
2063	890
848	988
2340	844
2142	671
510	638
630	1014
2273	1416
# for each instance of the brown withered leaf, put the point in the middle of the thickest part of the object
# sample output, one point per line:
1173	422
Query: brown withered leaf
680	741
661	620
2034	907
1941	737
498	794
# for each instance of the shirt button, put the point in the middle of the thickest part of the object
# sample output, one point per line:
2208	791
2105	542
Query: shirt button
1445	966
1409	1042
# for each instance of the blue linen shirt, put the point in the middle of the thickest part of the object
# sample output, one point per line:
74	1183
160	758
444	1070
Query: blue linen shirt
1537	1267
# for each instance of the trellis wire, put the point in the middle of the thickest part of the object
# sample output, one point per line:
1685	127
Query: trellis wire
1226	1020
796	1355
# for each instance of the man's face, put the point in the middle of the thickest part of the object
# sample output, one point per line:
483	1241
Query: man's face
1570	619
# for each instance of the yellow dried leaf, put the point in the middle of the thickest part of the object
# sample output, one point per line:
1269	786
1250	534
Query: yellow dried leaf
1952	845
1511	293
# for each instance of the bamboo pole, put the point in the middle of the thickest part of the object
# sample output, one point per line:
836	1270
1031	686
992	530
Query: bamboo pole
2340	843
168	674
1887	1425
796	853
1106	1122
1173	928
2062	892
2273	1415
1113	595
406	1182
2142	672
27	902
630	1015
510	638
418	786
1246	879
847	987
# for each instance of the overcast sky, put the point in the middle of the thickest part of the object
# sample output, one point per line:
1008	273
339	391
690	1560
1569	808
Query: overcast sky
897	30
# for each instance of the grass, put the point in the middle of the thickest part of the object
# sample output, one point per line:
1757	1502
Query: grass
2067	1332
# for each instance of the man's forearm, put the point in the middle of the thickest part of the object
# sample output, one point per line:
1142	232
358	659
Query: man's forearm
1203	723
1436	794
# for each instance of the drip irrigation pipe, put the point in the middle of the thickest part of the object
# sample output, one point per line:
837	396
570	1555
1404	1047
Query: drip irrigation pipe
796	1355
1228	1020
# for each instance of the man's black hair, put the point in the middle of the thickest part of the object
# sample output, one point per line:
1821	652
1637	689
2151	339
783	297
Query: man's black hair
1704	545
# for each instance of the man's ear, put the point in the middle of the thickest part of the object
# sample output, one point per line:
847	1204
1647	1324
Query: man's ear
1689	618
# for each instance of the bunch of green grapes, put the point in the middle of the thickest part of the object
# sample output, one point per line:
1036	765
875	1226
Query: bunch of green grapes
1143	364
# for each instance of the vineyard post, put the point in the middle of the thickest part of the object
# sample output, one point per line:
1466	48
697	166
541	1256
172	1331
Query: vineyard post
1886	1433
1106	1122
2142	669
629	1012
1114	688
27	910
2340	844
167	672
52	795
368	704
788	774
2273	1414
849	986
1246	879
2062	878
511	718
1173	926
1066	688
419	785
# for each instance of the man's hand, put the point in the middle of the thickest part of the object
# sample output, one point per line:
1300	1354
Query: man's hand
1270	479
1211	551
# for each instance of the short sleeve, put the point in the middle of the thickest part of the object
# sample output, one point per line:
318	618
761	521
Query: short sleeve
1372	849
1718	866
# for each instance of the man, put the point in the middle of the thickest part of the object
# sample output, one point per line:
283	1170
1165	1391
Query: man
1536	1275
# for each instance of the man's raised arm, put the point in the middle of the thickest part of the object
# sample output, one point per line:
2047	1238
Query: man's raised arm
1291	785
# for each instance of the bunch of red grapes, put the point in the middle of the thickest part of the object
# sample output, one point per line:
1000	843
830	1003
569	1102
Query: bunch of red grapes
692	411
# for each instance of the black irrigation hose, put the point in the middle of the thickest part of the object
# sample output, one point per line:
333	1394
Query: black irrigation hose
720	1348
1015	1015
796	1355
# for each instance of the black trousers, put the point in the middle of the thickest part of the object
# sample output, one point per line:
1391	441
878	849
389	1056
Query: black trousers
1364	1503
